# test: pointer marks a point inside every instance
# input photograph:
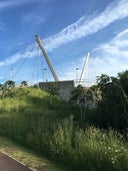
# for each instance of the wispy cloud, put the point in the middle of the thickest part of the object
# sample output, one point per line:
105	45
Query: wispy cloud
2	27
88	25
117	47
112	57
33	18
12	3
29	52
84	27
7	4
109	58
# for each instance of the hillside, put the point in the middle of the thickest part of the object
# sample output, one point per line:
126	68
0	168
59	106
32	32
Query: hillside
53	128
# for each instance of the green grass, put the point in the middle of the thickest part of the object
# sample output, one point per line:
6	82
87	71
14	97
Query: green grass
48	125
90	149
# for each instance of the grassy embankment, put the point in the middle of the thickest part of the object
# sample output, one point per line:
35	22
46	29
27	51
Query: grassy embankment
45	124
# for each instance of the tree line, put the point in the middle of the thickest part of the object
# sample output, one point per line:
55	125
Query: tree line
112	101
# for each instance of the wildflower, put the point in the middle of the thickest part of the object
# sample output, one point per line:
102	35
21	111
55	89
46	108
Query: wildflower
117	151
113	162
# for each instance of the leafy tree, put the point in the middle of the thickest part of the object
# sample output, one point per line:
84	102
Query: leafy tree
123	80
78	96
10	84
81	96
112	109
7	88
24	83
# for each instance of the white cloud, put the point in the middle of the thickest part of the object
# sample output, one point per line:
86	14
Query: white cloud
33	18
118	46
29	52
109	58
88	25
2	27
12	3
112	57
7	4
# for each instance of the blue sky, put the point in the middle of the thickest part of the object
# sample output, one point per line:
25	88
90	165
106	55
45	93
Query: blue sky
69	30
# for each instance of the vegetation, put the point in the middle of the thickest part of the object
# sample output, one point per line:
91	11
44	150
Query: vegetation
52	89
9	84
56	129
28	157
112	109
24	83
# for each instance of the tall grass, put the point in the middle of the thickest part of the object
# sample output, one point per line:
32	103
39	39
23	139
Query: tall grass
32	120
90	149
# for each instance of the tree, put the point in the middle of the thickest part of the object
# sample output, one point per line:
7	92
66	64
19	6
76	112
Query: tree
112	109
123	80
82	97
7	88
9	84
24	83
78	96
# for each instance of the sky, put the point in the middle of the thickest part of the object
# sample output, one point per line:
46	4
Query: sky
69	29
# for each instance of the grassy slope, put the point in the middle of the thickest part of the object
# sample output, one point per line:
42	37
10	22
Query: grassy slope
34	104
37	120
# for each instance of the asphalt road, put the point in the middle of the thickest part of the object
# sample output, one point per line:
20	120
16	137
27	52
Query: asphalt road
9	164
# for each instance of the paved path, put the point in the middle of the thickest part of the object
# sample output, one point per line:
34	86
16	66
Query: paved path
9	164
